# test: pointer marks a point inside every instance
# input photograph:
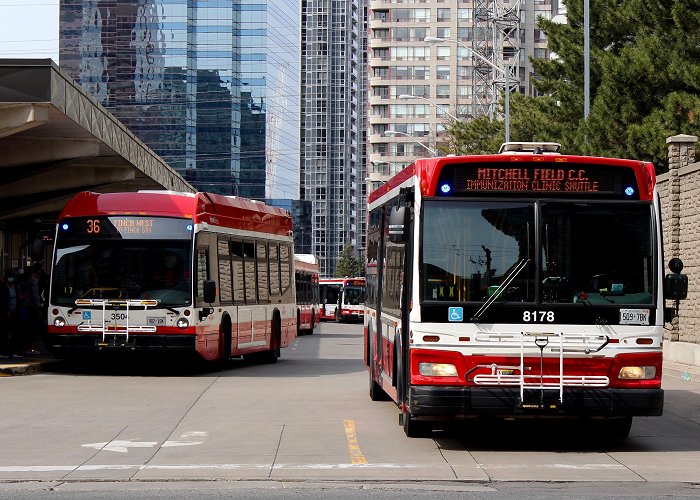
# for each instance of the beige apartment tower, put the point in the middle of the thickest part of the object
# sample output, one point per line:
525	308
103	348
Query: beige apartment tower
432	61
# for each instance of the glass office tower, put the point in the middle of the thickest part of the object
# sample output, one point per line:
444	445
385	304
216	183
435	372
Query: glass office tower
333	142
210	85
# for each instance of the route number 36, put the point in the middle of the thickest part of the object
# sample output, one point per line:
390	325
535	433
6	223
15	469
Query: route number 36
538	316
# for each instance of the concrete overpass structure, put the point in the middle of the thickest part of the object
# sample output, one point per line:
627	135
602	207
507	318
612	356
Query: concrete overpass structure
56	140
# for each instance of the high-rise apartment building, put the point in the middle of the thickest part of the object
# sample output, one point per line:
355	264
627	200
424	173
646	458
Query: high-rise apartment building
333	142
416	86
212	86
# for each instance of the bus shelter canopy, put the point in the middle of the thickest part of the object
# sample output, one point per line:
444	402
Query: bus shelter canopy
56	140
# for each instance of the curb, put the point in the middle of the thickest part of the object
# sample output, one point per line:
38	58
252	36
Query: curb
26	367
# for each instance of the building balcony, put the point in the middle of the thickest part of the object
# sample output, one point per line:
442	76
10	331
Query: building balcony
376	99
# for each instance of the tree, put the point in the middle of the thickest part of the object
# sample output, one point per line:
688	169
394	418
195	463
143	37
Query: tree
644	84
349	264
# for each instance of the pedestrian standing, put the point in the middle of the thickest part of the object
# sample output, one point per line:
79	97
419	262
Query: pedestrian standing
5	347
34	309
12	316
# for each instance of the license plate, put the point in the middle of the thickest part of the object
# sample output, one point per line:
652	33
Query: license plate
634	316
155	321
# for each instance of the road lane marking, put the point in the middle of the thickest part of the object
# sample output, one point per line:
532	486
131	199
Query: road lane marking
170	444
356	456
82	468
120	446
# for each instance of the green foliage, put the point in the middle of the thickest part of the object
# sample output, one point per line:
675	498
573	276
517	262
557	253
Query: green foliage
644	84
349	264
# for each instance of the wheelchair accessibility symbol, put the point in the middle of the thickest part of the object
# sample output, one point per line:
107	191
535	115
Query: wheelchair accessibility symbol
455	314
87	315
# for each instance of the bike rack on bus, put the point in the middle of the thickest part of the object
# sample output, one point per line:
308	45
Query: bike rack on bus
116	329
515	374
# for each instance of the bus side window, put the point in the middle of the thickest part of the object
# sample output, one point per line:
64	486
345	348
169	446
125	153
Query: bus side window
263	284
251	285
237	270
202	270
274	266
225	278
285	267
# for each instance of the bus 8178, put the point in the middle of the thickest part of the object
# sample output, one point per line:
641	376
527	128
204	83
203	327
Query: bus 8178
522	284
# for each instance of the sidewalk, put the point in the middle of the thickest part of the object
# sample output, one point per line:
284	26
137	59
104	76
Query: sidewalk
29	364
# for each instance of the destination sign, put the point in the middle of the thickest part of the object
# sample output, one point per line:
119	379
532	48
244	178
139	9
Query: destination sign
125	227
538	179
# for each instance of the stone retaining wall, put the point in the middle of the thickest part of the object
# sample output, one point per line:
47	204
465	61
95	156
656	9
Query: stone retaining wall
679	190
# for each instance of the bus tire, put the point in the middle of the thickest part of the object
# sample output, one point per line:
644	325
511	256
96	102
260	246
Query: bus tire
298	323
413	428
617	427
376	393
313	322
275	340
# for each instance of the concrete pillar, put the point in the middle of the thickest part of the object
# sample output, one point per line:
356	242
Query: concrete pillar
681	152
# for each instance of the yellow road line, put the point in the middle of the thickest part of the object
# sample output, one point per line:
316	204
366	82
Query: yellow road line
356	456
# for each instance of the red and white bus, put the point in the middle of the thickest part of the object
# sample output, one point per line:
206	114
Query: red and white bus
342	299
306	279
521	284
172	272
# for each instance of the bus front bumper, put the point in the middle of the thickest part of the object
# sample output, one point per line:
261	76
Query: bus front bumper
455	402
64	345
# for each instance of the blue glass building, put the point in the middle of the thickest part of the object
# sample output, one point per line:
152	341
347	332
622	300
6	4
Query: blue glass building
212	86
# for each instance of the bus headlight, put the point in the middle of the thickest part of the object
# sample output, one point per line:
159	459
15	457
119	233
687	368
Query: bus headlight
637	372
59	322
437	369
182	323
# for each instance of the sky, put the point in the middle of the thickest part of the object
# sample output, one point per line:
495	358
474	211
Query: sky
29	29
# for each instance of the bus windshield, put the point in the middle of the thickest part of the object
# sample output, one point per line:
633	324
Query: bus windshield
123	269
329	293
354	295
577	252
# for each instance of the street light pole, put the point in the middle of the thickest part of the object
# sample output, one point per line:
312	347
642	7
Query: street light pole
396	132
409	96
505	72
586	60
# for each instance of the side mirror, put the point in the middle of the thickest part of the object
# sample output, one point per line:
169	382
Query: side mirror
209	291
676	284
398	224
209	298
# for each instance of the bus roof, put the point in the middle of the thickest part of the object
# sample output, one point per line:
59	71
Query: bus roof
306	262
342	281
426	171
214	209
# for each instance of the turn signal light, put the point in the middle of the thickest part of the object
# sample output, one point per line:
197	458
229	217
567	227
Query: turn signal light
431	338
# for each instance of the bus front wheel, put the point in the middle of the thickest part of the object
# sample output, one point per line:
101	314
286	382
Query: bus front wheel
618	427
271	355
411	427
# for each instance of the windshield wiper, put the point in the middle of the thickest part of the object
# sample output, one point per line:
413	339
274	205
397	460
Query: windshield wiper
497	293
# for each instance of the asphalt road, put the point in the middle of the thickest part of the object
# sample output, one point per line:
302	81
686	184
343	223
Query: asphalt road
307	424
